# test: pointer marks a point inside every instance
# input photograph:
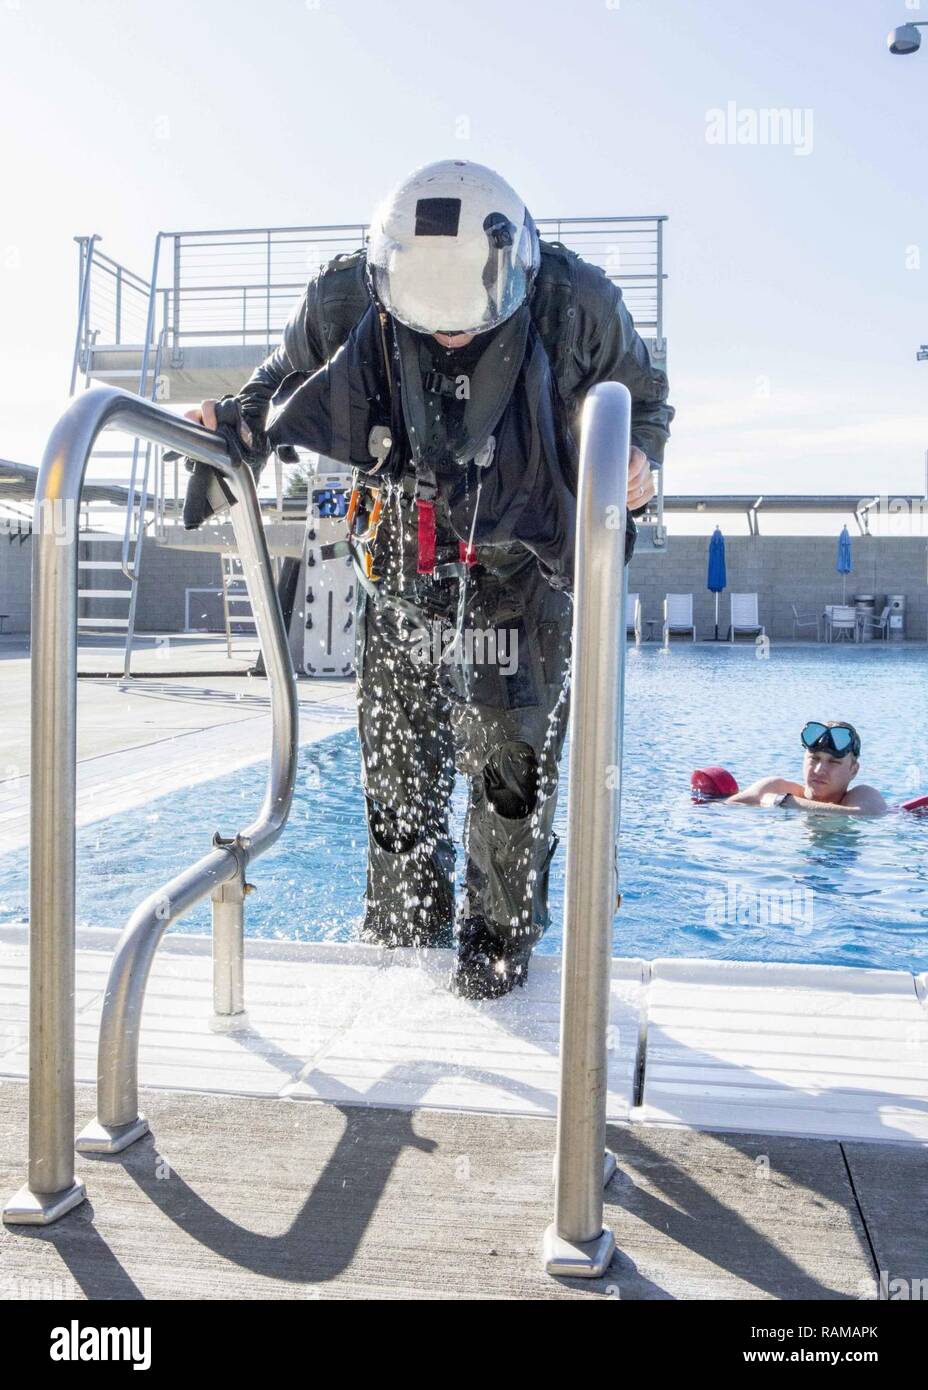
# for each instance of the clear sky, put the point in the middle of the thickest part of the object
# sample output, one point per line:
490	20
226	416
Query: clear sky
796	295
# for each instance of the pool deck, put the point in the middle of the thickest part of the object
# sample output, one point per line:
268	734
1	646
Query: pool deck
771	1122
366	1135
238	1198
159	732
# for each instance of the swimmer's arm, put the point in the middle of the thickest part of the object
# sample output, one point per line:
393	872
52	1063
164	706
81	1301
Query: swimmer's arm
753	795
859	801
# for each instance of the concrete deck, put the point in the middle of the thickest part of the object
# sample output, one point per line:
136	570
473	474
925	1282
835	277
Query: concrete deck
241	1198
158	732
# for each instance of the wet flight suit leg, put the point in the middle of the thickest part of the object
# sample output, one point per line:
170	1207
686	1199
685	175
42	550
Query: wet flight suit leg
497	712
509	718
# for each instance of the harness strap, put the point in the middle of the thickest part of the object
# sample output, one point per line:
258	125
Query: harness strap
437	384
339	549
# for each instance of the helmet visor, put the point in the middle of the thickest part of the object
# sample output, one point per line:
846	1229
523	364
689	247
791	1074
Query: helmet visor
451	277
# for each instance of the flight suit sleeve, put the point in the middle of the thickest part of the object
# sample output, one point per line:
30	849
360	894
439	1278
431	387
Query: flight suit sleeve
299	350
607	347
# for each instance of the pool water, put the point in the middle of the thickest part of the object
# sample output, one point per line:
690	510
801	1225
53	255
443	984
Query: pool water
708	881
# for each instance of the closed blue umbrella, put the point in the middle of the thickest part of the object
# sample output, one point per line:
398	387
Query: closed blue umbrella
843	562
716	578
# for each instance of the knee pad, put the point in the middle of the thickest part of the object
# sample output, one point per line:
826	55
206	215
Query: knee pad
510	780
389	830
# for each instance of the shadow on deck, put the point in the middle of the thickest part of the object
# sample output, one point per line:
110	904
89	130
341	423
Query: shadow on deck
235	1198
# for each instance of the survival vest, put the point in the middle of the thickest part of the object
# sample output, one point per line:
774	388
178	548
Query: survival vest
509	474
342	297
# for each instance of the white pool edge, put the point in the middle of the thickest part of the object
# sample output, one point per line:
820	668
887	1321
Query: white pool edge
806	1051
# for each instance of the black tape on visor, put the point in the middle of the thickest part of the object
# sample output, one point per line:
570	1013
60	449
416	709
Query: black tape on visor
438	216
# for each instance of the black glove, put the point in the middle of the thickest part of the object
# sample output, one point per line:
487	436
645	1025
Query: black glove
207	492
631	535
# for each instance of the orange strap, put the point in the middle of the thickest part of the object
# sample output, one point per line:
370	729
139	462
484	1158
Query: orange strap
374	518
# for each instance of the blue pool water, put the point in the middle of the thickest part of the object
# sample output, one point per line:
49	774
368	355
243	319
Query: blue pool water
696	881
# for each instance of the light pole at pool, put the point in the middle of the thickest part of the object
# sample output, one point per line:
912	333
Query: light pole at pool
906	39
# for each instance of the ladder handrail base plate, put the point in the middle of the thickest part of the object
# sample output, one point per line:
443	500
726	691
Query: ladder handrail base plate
28	1208
567	1259
97	1138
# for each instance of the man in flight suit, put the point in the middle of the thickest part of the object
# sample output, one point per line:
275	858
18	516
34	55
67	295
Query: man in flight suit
447	362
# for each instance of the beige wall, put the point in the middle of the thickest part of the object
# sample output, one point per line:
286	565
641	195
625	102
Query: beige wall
784	570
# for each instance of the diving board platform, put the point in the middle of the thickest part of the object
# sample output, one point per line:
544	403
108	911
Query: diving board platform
795	1050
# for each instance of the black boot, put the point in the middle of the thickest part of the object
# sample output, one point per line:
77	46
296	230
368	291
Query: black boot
422	916
380	930
488	965
409	898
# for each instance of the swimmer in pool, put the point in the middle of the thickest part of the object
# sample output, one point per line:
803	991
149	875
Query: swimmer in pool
832	753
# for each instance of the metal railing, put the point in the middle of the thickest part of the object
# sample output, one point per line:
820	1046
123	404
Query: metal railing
576	1243
113	303
238	286
136	507
51	1189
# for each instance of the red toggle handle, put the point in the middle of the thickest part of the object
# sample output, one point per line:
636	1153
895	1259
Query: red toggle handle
426	536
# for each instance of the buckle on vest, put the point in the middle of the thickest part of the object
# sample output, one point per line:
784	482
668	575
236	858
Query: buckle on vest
437	384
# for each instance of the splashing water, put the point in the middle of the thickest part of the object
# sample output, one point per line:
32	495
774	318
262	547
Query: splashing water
694	880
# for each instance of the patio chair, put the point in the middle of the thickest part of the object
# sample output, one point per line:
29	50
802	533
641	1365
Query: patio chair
678	615
879	625
811	620
841	622
633	615
744	616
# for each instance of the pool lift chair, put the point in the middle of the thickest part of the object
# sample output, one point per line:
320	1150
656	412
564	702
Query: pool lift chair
576	1243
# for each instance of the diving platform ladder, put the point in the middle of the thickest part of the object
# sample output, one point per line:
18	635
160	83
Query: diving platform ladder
112	519
236	604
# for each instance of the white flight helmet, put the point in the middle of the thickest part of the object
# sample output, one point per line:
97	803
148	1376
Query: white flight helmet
453	249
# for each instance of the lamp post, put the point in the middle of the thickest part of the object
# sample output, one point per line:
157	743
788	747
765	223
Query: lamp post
906	38
922	356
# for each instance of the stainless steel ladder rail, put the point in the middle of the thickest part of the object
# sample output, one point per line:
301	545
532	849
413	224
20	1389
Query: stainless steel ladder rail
576	1244
51	1188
